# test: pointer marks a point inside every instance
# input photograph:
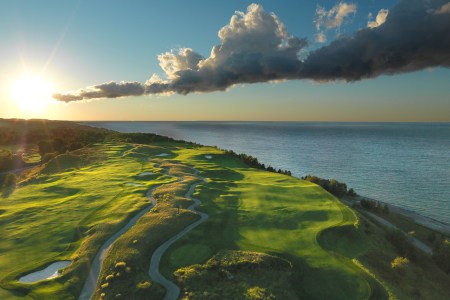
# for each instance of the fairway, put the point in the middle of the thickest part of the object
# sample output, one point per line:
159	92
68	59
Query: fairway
255	210
79	202
67	213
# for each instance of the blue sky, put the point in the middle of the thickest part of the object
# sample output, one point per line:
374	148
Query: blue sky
74	44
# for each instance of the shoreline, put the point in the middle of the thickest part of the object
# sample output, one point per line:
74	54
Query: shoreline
413	216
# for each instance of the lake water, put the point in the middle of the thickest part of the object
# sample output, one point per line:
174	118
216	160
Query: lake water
406	164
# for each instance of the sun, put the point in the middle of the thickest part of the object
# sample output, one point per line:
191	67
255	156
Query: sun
32	93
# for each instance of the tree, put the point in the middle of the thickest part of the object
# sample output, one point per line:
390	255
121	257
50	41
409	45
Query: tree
442	256
45	146
9	184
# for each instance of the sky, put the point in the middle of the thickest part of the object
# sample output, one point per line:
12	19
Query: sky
99	58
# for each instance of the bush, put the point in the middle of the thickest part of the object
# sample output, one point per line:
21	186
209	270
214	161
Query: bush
352	193
9	184
109	277
253	162
442	256
402	244
339	189
368	204
10	181
121	264
399	262
144	285
48	156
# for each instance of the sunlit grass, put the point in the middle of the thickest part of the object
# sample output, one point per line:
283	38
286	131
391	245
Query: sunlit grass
267	212
51	219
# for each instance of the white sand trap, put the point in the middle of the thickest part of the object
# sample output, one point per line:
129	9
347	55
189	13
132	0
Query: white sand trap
145	174
134	184
50	272
163	154
208	156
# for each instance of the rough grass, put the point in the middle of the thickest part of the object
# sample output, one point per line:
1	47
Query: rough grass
419	279
134	248
73	160
238	275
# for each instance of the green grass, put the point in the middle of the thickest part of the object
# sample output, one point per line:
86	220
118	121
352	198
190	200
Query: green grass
421	279
267	212
238	275
67	215
30	153
68	208
134	248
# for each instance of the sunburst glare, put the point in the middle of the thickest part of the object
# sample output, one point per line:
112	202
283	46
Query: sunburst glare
32	93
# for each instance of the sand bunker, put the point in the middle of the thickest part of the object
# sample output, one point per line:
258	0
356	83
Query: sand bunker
163	154
50	272
145	174
208	156
134	184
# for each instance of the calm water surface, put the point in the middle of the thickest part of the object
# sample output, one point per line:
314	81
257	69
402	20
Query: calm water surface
406	164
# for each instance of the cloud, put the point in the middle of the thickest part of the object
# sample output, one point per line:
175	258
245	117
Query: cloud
412	38
186	59
256	47
334	17
445	9
331	19
321	37
380	18
105	90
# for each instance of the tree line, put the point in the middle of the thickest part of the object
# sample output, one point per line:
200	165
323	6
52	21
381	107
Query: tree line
252	161
339	189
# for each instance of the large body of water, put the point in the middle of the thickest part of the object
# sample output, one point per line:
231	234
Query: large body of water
406	164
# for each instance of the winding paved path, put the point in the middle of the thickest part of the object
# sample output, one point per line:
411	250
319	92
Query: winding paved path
91	282
172	290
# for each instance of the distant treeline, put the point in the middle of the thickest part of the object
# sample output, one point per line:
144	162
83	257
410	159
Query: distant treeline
10	160
17	131
333	186
57	137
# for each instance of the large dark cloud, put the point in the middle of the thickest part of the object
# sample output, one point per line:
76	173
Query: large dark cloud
256	47
415	35
105	90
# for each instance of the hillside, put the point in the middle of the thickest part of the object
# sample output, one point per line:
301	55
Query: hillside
260	226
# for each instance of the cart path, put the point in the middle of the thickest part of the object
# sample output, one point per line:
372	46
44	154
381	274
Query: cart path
172	290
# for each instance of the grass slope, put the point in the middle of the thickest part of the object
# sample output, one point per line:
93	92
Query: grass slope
78	200
260	211
238	275
67	215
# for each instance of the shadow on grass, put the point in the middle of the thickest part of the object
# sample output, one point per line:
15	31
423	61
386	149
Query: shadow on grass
7	191
220	229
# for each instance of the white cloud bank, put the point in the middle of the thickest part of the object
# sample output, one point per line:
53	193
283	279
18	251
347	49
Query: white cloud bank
256	47
379	20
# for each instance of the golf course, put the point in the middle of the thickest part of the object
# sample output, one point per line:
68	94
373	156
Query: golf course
132	218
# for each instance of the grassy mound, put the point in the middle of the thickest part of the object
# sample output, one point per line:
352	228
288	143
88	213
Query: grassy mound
73	160
238	275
